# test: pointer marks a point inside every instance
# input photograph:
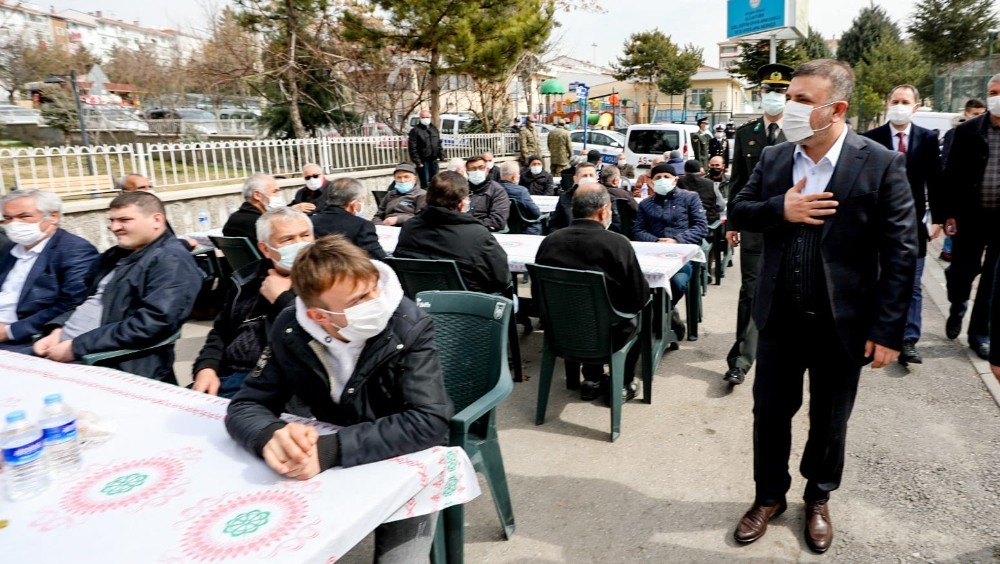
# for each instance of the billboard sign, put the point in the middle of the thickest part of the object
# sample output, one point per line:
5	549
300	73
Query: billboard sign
759	18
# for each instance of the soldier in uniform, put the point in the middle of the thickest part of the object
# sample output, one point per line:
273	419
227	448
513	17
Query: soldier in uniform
719	145
700	142
750	140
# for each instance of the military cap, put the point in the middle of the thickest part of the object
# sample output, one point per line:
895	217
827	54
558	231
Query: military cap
775	73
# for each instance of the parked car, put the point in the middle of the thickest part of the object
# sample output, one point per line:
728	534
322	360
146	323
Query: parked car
181	120
113	117
609	143
11	115
646	141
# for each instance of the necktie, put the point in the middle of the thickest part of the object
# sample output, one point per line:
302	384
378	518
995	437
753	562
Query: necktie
902	142
772	133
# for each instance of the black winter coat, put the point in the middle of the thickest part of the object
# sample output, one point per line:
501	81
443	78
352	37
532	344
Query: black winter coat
394	403
442	234
336	220
243	223
424	144
148	300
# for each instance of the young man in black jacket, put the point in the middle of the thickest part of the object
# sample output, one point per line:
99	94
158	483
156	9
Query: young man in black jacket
142	292
258	294
362	357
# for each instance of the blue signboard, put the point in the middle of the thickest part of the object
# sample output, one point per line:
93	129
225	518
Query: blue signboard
753	16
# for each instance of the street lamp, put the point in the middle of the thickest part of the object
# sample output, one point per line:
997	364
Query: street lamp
992	37
57	79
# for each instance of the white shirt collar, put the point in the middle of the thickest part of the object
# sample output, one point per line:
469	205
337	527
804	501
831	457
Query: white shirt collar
905	132
19	251
832	155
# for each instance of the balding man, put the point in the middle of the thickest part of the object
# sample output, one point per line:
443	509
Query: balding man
510	175
311	198
133	183
586	244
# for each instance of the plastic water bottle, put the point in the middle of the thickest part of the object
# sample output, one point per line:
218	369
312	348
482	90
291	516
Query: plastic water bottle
203	221
62	442
25	474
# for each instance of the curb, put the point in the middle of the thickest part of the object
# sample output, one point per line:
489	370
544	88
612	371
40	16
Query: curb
935	288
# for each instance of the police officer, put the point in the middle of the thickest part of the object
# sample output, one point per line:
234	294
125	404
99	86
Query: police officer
719	145
750	140
700	142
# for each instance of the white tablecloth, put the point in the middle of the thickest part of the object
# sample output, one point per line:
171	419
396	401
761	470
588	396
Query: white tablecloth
203	236
546	204
172	486
659	261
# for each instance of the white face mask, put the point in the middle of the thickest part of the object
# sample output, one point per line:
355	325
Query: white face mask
425	121
586	180
314	183
664	186
535	169
288	254
796	124
361	210
364	320
621	164
773	103
900	114
275	203
24	233
489	165
993	105
477	176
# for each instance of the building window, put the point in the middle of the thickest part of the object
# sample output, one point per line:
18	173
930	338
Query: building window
697	96
728	50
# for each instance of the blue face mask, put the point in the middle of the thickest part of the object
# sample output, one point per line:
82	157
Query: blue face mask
404	187
288	254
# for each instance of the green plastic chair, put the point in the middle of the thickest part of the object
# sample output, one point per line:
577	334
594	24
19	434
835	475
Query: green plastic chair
238	251
470	334
102	358
578	317
421	275
379	195
517	223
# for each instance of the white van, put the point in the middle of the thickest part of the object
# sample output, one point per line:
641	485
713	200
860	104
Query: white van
941	121
449	124
644	142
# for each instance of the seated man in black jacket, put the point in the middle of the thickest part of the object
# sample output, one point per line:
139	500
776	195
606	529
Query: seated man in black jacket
489	200
260	193
587	245
258	294
361	356
445	230
694	180
142	292
344	214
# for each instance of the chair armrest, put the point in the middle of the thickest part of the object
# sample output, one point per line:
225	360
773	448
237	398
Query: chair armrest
461	421
625	316
714	225
93	358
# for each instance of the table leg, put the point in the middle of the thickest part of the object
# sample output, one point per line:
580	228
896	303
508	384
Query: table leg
692	300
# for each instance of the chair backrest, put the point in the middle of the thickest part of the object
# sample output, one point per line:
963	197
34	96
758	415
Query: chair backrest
420	275
238	251
576	310
626	215
516	222
378	195
470	334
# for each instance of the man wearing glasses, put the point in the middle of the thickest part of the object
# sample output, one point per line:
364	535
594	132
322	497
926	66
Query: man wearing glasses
311	198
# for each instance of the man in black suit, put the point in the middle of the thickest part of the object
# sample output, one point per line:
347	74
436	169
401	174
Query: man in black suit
344	214
694	181
971	210
260	193
311	198
840	253
923	170
749	142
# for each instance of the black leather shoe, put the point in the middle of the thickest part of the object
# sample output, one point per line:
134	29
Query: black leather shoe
953	326
677	325
753	525
590	390
909	354
735	376
819	528
982	350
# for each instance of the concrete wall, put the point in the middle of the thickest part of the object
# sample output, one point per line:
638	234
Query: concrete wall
89	218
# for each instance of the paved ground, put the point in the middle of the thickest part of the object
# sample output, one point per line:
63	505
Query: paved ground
922	481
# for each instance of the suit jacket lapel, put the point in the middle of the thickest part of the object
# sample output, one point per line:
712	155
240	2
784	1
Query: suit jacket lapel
40	263
852	159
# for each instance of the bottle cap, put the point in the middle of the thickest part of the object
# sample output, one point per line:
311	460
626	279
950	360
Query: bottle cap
53	398
15	416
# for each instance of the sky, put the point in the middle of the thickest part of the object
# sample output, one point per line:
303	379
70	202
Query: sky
702	22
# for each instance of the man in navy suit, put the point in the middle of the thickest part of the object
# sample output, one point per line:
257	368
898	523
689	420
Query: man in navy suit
836	274
44	274
923	170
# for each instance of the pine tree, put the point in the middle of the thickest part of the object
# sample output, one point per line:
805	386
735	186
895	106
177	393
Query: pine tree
757	54
867	29
651	58
815	46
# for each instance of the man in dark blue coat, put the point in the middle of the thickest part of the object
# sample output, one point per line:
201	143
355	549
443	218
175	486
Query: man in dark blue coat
923	171
510	173
45	273
141	293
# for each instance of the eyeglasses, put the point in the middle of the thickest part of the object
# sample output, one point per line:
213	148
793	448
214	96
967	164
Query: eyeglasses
311	176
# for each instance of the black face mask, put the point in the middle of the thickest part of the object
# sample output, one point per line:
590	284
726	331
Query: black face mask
715	172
